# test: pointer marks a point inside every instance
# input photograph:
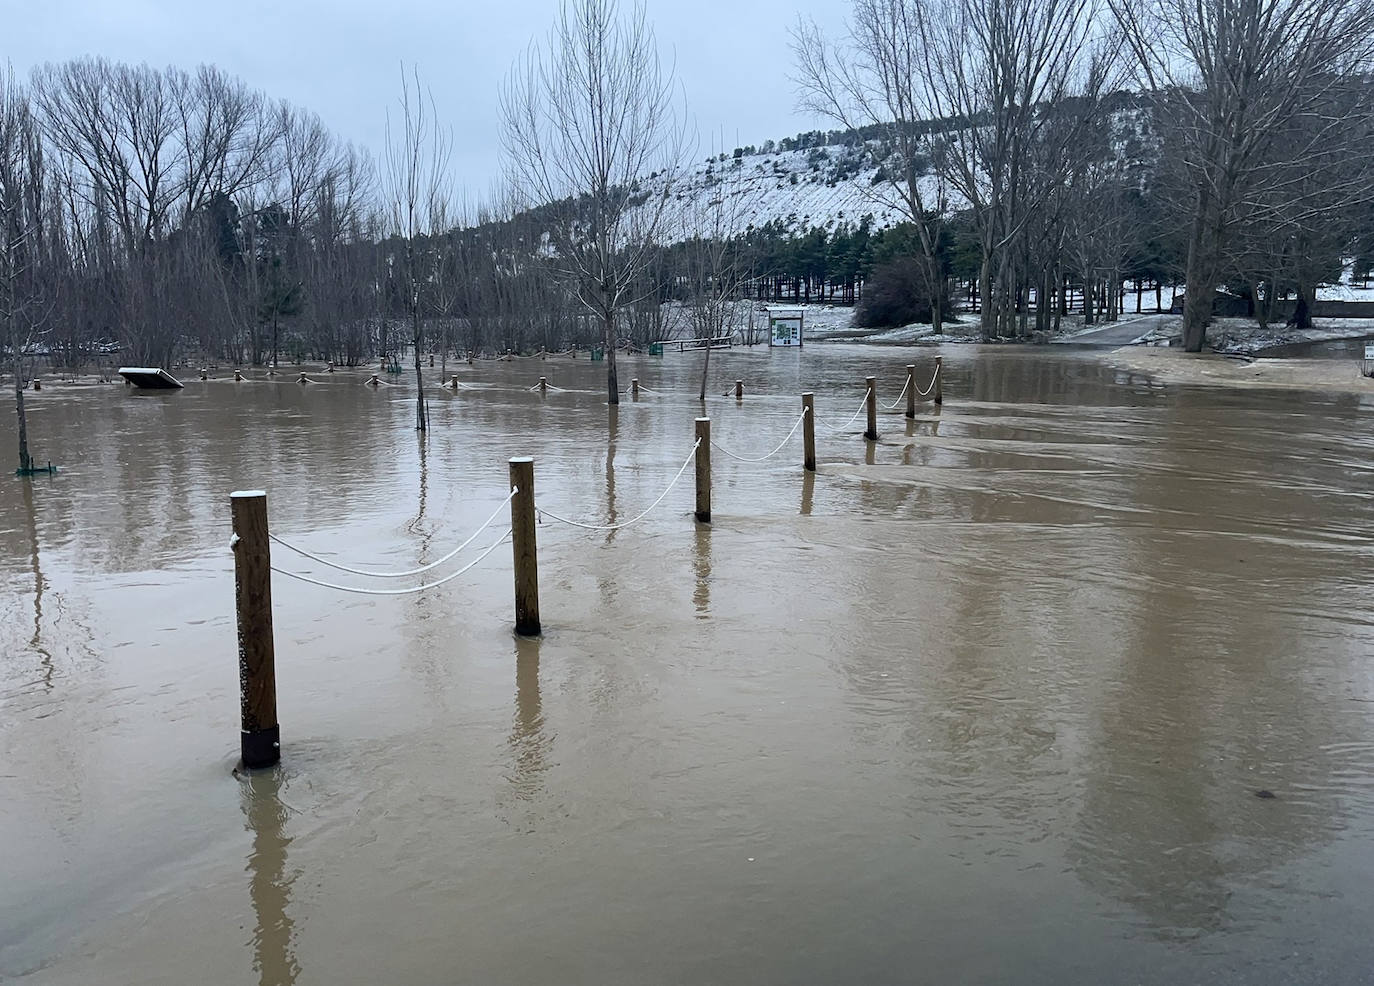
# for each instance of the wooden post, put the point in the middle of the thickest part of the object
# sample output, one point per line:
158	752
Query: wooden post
911	390
634	388
374	381
704	470
431	361
939	374
543	385
203	374
523	548
453	384
302	379
809	432
739	390
238	376
260	738
872	433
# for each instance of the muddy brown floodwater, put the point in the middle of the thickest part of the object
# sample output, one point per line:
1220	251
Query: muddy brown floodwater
989	701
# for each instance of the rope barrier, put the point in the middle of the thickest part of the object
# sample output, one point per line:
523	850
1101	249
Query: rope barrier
397	592
854	415
893	405
636	520
933	377
397	575
743	458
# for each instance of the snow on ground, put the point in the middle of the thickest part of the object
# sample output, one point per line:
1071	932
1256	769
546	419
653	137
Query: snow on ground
1244	335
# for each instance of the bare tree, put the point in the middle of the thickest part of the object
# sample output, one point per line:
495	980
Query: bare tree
416	187
1234	79
586	123
1007	86
878	80
714	271
21	182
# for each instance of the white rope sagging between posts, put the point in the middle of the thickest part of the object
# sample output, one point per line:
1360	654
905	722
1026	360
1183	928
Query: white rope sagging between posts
635	520
893	405
360	590
855	415
397	575
933	377
761	458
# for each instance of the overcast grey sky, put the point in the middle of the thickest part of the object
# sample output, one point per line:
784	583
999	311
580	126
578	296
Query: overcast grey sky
341	58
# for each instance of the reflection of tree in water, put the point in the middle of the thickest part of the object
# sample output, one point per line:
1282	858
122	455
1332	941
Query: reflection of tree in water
612	433
39	584
1201	695
269	886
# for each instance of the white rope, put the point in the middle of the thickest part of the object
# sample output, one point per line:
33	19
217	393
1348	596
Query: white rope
405	574
855	414
893	405
744	458
636	520
396	592
935	376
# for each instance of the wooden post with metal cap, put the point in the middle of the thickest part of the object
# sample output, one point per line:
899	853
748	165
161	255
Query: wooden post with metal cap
911	390
809	432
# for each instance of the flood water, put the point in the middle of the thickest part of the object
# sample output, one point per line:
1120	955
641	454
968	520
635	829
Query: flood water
988	701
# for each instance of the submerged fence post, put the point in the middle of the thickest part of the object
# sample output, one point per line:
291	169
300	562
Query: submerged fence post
809	432
939	375
704	470
872	433
739	390
543	385
260	735
523	547
634	388
911	390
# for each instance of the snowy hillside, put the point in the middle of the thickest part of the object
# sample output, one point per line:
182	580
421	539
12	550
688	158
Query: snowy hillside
818	187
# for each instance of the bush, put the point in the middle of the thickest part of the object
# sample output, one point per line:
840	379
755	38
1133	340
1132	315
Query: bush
894	294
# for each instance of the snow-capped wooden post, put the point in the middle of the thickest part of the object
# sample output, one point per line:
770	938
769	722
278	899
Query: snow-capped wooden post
238	376
260	734
872	403
453	384
524	548
703	511
634	388
809	432
911	390
939	380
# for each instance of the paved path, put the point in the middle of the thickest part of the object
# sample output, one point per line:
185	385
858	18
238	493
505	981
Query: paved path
1119	333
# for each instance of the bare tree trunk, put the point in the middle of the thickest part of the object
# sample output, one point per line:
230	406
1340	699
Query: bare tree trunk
420	423
1200	281
25	460
612	380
